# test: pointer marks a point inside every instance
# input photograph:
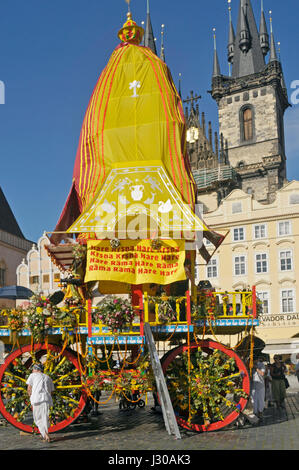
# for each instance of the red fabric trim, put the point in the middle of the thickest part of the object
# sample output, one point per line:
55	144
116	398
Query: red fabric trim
70	213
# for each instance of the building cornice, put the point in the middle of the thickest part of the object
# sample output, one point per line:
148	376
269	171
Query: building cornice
16	242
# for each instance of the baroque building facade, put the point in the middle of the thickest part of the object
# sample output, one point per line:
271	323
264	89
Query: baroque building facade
255	205
37	270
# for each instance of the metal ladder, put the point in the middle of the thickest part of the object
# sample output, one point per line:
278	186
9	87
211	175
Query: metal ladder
166	405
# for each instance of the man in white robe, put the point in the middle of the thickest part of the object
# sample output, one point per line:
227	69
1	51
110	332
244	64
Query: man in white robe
40	389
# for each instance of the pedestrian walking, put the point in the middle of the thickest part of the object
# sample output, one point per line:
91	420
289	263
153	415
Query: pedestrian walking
297	370
258	388
268	387
278	370
40	389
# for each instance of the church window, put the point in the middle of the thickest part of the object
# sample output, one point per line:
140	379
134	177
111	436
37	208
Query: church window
247	120
247	123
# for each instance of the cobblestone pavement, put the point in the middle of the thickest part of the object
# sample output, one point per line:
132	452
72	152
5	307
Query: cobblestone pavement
141	429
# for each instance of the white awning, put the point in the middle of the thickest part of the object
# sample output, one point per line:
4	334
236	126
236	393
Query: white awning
282	346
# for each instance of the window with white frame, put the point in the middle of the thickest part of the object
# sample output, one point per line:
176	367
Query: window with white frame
264	297
240	265
238	234
212	268
261	263
259	231
286	260
288	301
284	228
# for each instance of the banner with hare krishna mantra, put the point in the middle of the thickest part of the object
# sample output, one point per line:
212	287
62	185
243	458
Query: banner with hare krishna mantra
136	261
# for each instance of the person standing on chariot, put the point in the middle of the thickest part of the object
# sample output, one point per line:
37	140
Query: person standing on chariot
40	389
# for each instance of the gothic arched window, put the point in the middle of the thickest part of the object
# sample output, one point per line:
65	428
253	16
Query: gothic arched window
247	123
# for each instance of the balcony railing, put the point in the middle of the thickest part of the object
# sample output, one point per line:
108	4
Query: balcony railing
227	305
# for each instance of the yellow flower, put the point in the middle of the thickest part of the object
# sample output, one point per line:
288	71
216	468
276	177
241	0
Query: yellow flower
39	310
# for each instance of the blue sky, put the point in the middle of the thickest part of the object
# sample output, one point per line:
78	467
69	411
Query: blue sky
51	55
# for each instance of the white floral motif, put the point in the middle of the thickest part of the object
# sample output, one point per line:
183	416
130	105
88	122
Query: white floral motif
133	86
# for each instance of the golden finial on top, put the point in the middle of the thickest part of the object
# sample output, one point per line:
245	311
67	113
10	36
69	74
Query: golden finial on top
130	32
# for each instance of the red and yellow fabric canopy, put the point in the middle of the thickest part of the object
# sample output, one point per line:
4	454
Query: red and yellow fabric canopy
132	146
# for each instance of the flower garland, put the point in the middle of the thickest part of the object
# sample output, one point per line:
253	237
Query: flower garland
39	315
213	382
166	314
125	381
115	313
15	319
207	306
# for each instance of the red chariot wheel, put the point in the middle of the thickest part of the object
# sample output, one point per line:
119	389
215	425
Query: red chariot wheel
208	387
63	367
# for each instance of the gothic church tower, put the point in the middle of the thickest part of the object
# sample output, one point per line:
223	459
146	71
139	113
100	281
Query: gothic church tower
251	102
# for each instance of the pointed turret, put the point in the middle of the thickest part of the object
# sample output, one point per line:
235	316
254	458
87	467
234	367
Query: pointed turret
149	39
273	54
264	36
244	35
216	66
231	39
248	54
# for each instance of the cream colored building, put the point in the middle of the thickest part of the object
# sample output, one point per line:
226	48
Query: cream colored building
13	247
262	249
37	271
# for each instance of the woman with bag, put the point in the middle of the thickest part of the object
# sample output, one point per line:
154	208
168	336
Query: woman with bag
278	370
258	388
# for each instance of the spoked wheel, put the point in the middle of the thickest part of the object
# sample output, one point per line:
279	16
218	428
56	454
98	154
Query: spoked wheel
69	399
208	387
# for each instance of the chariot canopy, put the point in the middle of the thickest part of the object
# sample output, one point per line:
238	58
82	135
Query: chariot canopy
132	172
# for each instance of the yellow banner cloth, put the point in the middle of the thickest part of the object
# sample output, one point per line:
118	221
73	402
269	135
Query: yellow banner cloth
136	262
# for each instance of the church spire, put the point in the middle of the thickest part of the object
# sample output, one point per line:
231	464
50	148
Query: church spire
231	37
149	39
273	54
248	54
216	66
264	36
244	36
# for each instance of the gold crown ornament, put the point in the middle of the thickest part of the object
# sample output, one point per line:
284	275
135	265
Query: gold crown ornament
131	32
